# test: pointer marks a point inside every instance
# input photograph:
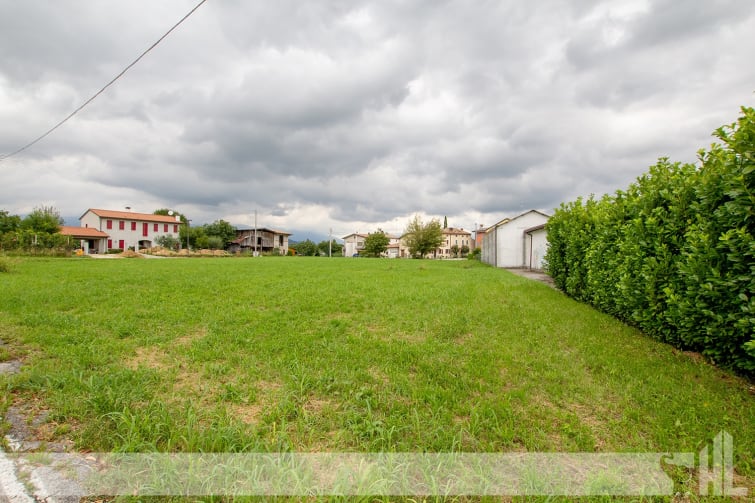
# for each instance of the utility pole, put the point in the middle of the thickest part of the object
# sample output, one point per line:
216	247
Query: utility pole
255	233
188	222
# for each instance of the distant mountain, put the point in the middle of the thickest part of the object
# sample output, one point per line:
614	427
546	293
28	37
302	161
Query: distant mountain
302	235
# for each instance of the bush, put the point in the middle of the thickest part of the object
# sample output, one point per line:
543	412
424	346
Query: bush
674	254
4	265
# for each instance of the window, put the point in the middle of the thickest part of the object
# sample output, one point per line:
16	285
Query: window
133	226
145	229
175	228
109	243
154	227
165	227
121	225
109	224
120	244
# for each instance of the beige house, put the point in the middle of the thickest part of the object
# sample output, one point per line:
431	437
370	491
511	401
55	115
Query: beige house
453	237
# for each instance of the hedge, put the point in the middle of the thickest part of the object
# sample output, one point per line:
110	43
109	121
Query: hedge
673	254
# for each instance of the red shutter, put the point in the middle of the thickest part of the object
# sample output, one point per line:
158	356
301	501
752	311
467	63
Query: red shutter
120	244
133	226
165	227
109	244
121	225
109	224
145	229
175	228
154	228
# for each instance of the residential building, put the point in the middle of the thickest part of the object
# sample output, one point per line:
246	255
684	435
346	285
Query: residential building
91	240
453	237
517	242
353	244
394	246
267	241
123	229
478	234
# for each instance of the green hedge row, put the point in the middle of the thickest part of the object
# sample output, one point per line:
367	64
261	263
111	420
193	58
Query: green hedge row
674	254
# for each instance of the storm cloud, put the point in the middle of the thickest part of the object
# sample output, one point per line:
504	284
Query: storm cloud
354	115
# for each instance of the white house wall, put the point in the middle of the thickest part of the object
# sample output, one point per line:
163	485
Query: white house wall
510	239
129	237
535	246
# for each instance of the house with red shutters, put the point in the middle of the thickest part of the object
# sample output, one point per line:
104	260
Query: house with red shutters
103	230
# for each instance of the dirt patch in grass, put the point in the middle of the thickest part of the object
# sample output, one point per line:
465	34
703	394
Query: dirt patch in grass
189	381
379	375
150	357
187	339
316	405
246	413
251	413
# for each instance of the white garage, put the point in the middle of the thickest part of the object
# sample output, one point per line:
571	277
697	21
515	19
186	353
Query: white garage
517	242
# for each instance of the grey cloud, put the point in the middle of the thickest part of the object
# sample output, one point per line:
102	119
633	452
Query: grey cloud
362	111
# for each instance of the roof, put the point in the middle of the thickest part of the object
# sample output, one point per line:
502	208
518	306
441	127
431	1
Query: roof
507	220
535	228
82	232
355	234
262	229
452	230
131	215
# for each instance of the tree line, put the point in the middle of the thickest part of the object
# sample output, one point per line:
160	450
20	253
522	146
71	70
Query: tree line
674	254
36	233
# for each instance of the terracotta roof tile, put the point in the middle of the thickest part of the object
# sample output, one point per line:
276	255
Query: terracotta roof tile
131	215
82	232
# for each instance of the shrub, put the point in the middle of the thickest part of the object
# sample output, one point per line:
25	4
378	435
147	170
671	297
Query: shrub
4	265
674	254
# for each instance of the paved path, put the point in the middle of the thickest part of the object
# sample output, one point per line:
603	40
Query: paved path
532	274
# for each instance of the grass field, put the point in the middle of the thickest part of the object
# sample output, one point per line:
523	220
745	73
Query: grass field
306	354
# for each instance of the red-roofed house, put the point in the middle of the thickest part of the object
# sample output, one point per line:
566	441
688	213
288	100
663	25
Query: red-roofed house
91	239
102	230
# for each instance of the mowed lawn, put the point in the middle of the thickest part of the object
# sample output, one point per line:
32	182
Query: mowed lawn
316	354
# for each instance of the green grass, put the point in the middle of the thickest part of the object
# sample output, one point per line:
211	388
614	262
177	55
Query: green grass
305	354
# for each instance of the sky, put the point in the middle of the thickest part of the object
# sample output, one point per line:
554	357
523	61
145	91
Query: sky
356	115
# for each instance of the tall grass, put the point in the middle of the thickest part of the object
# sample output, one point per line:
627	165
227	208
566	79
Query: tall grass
306	354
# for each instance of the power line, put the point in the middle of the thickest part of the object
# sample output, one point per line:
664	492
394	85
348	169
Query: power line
56	126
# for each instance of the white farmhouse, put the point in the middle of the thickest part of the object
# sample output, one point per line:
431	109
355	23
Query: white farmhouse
125	229
517	242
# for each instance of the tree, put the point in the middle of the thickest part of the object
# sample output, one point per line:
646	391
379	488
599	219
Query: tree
43	219
306	248
167	241
169	212
422	238
376	243
221	229
445	222
8	222
335	248
455	250
215	243
464	250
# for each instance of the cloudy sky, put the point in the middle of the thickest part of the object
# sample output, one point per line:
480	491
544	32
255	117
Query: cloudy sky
354	115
